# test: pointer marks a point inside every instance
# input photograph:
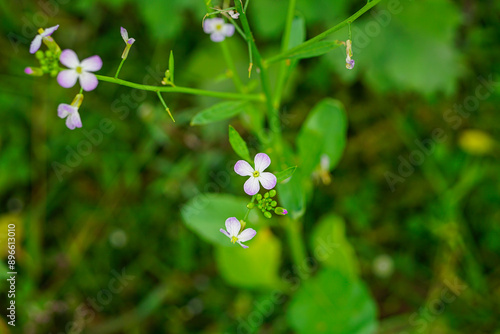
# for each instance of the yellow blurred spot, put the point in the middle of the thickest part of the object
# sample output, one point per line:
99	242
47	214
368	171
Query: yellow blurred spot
5	221
476	142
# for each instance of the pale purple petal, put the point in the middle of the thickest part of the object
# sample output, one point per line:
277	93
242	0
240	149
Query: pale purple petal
209	26
64	110
73	121
217	37
67	78
252	186
88	81
49	31
268	180
247	234
91	64
244	246
228	30
262	161
35	45
243	168
69	58
124	34
233	226
130	41
224	231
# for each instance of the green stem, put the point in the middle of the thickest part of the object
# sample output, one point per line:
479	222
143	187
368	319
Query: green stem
273	115
165	105
328	32
248	210
119	68
230	64
294	237
185	90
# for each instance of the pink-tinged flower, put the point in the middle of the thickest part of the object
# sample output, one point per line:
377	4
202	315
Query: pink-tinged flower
42	33
79	70
234	14
257	175
349	63
71	112
218	29
128	42
34	71
233	227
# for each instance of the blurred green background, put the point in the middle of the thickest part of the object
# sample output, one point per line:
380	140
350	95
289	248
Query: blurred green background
426	246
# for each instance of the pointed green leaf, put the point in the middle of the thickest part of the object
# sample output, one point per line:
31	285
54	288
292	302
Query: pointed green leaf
218	112
238	144
285	174
171	66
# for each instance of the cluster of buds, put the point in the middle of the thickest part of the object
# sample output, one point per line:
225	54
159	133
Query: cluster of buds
266	204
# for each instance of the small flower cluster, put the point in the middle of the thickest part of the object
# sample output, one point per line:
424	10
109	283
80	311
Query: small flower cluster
349	63
235	229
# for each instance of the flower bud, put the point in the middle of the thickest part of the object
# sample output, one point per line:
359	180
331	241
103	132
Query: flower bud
266	195
39	54
268	214
274	203
280	211
250	205
272	193
259	197
34	71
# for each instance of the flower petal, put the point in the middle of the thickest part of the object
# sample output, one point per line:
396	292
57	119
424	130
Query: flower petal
228	30
209	26
244	246
88	81
224	231
91	64
67	78
49	31
262	161
35	45
217	37
131	41
233	226
252	186
64	110
69	58
124	34
268	180
243	168
73	121
247	234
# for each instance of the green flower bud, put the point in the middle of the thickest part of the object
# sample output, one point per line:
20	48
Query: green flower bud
53	73
259	206
266	195
45	69
280	211
250	205
274	203
39	54
48	54
272	193
259	197
268	214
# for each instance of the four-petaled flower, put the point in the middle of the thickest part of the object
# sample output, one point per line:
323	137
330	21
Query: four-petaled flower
233	227
71	112
234	14
42	33
128	41
79	70
268	180
218	29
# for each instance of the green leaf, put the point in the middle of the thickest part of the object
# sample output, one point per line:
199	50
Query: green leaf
206	214
285	174
323	133
297	32
332	303
218	112
331	247
313	50
292	196
238	144
171	66
254	267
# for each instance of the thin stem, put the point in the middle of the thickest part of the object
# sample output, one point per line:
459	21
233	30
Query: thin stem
165	105
350	32
294	237
248	210
185	90
246	5
119	68
236	26
230	64
328	32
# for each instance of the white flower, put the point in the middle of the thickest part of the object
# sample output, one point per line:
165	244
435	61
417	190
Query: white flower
233	227
37	42
218	29
234	14
79	70
71	112
257	175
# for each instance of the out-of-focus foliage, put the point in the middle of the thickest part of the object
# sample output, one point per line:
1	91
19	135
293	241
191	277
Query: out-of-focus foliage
417	252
